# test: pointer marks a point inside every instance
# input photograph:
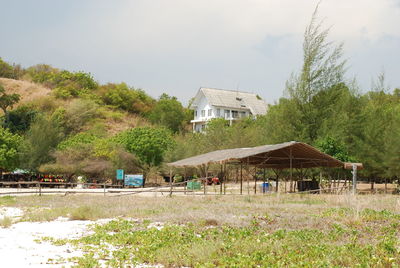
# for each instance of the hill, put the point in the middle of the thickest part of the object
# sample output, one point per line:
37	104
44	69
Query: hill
27	90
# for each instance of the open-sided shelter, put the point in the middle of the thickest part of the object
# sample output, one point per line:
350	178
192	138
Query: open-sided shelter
278	156
286	155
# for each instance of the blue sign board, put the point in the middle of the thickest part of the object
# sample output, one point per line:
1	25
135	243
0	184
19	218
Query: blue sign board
134	180
120	174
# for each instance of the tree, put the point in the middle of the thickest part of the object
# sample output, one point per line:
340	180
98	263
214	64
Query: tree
40	141
148	144
169	113
9	150
322	70
7	101
21	118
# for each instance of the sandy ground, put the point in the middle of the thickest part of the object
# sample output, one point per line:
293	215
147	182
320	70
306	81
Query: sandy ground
20	246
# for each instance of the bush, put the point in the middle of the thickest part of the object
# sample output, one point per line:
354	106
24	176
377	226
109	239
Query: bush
129	99
148	144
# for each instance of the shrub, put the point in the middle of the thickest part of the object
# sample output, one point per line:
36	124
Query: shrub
148	144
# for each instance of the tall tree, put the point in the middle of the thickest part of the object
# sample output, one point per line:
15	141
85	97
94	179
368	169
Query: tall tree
322	70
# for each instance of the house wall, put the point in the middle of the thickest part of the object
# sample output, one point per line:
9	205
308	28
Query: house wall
203	105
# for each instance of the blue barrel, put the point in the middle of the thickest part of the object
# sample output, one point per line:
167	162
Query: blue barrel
265	186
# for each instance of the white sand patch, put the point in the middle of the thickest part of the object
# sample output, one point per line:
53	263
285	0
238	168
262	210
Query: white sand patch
10	212
18	247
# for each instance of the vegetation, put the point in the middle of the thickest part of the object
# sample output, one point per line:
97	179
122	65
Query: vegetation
234	231
9	144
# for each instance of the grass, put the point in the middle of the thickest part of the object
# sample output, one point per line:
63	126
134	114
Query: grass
231	231
5	222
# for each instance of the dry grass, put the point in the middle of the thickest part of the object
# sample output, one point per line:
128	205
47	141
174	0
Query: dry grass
5	222
27	90
291	211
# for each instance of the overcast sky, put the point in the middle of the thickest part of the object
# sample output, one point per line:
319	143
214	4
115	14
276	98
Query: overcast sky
177	46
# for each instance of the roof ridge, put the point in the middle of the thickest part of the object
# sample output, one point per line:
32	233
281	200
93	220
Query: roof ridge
230	90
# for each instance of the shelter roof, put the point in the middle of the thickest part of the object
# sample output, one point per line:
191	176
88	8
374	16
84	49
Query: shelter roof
279	156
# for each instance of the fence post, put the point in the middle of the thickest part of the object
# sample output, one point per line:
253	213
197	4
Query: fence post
40	189
104	185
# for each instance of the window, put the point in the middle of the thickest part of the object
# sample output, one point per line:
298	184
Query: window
242	114
195	113
235	114
203	113
218	112
209	112
227	114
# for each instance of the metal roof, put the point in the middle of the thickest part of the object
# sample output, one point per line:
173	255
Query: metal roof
234	99
277	156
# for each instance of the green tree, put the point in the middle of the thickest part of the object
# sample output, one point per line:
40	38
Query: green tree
20	119
322	70
168	112
148	144
332	147
40	141
9	150
7	101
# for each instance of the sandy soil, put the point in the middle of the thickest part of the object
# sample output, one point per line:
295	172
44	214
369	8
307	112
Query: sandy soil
20	244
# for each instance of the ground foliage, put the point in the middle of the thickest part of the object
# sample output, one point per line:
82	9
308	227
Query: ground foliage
231	231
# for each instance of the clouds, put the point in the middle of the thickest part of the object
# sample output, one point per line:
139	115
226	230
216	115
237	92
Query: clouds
179	45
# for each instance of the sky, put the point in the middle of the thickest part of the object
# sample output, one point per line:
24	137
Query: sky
178	46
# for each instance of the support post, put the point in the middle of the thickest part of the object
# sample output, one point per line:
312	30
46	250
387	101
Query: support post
255	180
184	181
263	191
104	186
241	179
291	168
248	171
354	179
221	180
170	182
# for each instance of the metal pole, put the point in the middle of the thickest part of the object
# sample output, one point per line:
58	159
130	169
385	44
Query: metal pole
354	179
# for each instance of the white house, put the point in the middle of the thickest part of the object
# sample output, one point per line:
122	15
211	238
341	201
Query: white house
212	103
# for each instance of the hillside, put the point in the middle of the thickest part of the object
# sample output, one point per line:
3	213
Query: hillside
41	97
27	90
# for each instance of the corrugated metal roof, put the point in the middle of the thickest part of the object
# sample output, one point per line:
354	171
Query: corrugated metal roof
269	156
235	99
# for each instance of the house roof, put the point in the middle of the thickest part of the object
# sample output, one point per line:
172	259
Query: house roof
234	99
279	156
